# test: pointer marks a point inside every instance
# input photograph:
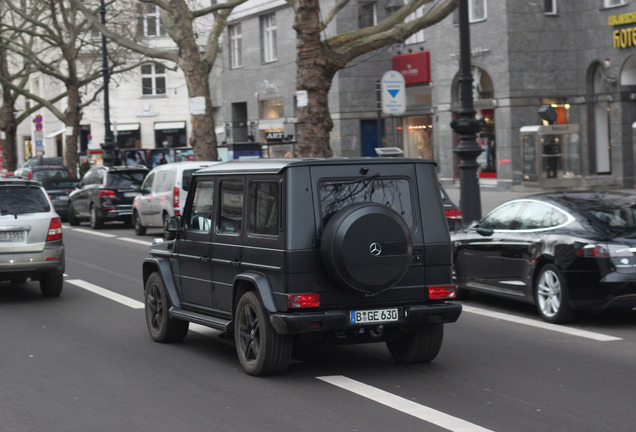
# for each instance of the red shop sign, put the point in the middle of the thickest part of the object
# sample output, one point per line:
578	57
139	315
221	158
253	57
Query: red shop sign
415	67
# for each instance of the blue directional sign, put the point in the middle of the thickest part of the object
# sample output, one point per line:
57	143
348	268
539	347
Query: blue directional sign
393	92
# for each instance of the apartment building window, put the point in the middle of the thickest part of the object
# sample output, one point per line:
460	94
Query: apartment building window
418	37
477	10
269	50
613	3
236	46
152	26
367	13
153	80
550	7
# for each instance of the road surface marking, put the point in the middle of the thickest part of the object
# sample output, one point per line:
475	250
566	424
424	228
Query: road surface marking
131	240
541	324
97	233
404	405
126	301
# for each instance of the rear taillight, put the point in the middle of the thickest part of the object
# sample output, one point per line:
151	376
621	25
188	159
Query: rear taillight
606	251
454	214
309	300
31	176
175	200
441	292
106	194
55	230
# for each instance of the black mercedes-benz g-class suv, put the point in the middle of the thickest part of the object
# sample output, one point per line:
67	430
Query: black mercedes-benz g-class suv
269	251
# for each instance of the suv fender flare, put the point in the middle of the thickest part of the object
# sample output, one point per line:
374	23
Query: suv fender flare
161	265
260	282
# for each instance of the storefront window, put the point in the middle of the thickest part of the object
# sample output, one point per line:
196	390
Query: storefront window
271	108
419	136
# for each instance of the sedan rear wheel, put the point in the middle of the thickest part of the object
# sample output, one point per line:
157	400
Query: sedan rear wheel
551	295
139	228
72	218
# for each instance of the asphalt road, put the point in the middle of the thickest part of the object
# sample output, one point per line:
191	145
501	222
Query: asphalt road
84	362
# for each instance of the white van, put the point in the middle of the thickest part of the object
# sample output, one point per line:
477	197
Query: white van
163	194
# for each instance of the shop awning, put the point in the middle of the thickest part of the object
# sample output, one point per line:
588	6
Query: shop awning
124	127
170	125
56	133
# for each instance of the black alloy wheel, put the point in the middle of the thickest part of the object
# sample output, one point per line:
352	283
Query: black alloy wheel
161	326
261	351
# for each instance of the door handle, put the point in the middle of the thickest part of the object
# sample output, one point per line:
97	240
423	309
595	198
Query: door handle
205	259
236	263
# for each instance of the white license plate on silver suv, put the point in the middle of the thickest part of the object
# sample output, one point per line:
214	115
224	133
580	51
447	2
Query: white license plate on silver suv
374	316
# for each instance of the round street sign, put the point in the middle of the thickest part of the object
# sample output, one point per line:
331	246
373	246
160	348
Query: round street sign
393	91
38	127
38	118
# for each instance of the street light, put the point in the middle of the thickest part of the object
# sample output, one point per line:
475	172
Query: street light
467	126
108	146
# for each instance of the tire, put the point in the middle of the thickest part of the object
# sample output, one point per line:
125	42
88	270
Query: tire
51	284
420	346
167	235
72	218
366	247
139	228
161	326
260	350
96	221
551	296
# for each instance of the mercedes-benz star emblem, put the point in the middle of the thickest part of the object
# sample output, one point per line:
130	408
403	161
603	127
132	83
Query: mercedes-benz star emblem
375	248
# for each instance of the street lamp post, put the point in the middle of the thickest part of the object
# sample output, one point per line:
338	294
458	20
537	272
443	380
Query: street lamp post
467	126
108	146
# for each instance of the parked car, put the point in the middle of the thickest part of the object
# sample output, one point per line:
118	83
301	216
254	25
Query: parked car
453	213
268	251
58	189
563	251
41	160
105	194
42	172
31	244
163	194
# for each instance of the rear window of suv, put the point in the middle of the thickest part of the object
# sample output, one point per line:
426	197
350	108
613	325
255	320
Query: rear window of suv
392	192
16	200
41	175
125	179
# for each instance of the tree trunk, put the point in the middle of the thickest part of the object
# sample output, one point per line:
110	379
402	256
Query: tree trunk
72	118
314	75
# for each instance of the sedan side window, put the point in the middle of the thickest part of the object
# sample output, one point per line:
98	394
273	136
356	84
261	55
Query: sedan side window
200	218
538	215
504	217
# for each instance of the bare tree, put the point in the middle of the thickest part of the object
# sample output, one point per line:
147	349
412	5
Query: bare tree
197	49
319	59
64	50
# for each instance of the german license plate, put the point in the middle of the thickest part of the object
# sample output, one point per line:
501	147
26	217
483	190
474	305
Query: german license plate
11	236
131	194
374	316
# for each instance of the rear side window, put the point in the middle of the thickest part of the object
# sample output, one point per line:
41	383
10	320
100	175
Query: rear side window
125	179
200	218
265	208
394	193
186	179
16	200
231	217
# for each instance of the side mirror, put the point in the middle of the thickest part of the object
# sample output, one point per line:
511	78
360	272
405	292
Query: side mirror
486	232
173	223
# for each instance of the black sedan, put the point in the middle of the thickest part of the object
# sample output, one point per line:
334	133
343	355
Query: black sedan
564	252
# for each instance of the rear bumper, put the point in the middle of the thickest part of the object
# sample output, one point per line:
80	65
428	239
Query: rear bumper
329	321
50	260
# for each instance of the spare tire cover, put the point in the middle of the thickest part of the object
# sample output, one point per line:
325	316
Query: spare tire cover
366	247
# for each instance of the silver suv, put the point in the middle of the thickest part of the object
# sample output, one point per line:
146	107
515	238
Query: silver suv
31	243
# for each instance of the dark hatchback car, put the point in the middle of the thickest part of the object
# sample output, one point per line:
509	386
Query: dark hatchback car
105	194
564	252
42	172
58	189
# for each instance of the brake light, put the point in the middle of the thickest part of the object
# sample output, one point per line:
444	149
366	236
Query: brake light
106	193
606	251
454	214
441	292
296	301
55	230
175	200
31	175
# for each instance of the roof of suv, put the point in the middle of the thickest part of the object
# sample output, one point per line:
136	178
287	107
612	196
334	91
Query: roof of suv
274	166
19	182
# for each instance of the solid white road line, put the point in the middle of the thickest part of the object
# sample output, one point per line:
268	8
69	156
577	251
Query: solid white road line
131	240
541	324
127	301
93	232
406	406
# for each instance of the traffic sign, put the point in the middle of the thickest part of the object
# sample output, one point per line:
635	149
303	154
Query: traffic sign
393	92
38	118
38	127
